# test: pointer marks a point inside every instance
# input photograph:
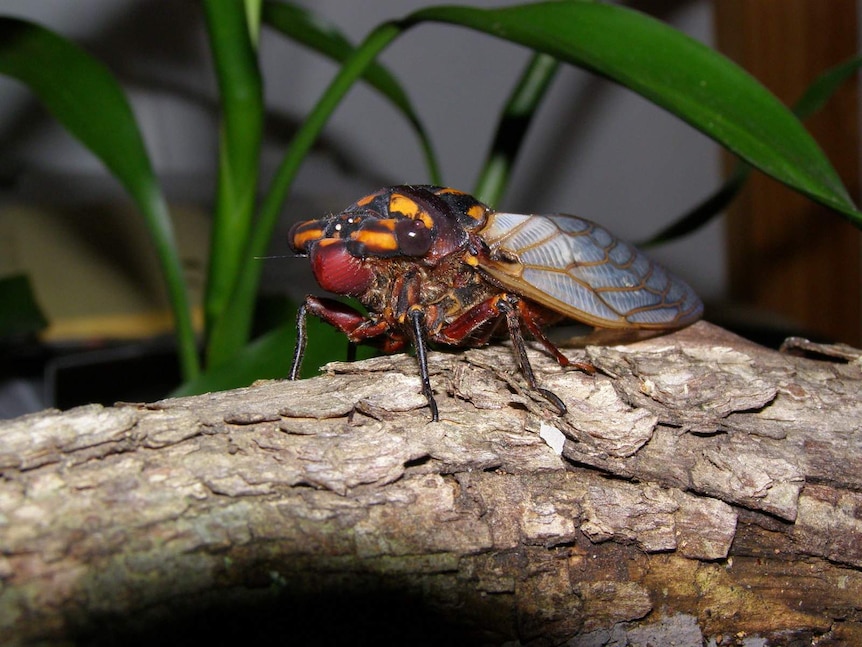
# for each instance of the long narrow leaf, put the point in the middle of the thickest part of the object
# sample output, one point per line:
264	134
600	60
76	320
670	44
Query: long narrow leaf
86	99
514	123
814	97
674	71
241	96
824	86
705	210
253	10
323	37
263	358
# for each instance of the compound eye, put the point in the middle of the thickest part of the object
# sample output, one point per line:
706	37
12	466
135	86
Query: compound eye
414	238
338	271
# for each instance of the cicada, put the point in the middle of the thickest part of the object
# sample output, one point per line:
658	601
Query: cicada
434	265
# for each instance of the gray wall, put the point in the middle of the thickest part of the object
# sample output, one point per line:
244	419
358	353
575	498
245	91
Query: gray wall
596	150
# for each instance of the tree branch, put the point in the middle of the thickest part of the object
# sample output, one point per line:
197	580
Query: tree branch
707	488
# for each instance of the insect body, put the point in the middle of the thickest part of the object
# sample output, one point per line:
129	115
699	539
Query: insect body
433	264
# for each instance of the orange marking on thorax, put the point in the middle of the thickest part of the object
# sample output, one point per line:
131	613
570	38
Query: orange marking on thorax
377	241
400	203
476	212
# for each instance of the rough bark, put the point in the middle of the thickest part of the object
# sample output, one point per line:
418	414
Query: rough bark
703	490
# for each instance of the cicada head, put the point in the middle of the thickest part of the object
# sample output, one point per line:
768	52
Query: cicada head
421	224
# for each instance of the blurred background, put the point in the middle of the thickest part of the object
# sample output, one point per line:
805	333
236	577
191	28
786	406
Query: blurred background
776	265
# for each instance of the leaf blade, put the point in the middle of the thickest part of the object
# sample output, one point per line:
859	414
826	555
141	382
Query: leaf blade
240	137
515	120
674	71
76	88
814	98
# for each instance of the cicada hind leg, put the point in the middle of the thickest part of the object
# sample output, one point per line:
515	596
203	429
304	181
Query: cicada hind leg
508	305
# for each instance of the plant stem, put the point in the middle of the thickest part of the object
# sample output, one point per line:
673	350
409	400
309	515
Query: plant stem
232	330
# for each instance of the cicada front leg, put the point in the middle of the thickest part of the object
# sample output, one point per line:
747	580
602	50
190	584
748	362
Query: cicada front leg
352	323
360	328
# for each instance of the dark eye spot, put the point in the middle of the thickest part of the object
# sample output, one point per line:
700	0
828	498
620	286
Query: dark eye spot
356	249
414	238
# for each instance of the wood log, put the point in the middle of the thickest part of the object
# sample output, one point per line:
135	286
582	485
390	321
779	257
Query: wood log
700	490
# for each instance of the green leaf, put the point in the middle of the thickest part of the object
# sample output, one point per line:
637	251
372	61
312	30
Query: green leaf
252	19
267	357
814	97
86	99
19	312
674	71
241	100
705	211
312	31
824	86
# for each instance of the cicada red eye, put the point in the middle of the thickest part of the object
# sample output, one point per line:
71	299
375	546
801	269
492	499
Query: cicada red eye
337	270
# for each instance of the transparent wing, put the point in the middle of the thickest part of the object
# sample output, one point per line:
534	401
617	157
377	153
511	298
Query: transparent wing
579	269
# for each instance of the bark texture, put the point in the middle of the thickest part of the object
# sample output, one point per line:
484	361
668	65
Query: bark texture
700	490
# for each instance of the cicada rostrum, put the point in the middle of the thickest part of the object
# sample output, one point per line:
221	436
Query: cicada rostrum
433	264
